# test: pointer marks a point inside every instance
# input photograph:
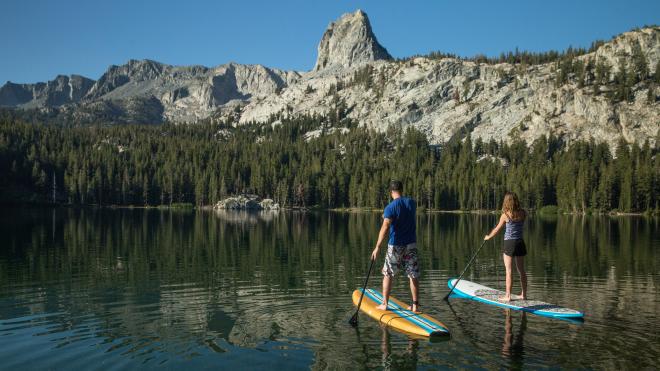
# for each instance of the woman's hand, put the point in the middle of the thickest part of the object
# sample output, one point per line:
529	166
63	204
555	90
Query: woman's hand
487	237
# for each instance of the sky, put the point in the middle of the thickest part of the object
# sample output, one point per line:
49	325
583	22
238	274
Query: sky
40	39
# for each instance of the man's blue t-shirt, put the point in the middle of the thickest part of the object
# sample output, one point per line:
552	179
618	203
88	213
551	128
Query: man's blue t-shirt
402	214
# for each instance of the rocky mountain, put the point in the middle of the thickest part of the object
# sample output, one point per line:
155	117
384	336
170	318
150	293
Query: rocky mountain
349	41
54	93
449	97
187	93
443	97
145	91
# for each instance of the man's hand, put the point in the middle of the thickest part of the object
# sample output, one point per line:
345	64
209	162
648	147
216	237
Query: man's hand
374	254
487	237
381	236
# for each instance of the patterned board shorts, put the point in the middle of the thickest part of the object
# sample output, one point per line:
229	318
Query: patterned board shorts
401	257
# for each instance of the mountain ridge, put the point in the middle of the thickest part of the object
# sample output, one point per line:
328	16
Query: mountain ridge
445	98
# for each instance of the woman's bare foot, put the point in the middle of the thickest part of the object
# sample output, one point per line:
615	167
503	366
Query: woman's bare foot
520	297
382	307
505	298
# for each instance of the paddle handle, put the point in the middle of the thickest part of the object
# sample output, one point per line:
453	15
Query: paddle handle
464	270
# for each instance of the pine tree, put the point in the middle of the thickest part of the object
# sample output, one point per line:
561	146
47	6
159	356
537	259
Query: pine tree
640	64
39	176
146	191
200	189
213	188
602	75
622	83
579	70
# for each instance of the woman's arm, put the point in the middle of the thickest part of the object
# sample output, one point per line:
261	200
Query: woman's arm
497	228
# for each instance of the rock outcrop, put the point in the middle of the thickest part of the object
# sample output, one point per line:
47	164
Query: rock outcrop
349	41
246	202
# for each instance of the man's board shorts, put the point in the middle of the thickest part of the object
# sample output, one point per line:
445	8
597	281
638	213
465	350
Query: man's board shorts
514	247
401	257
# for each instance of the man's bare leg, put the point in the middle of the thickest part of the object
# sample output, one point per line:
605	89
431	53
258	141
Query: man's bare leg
387	284
414	290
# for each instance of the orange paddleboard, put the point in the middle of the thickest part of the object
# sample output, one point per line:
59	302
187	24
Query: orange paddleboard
397	315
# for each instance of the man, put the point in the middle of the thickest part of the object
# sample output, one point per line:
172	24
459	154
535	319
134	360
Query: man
399	219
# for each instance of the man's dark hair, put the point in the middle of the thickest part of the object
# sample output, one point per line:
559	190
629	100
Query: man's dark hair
397	186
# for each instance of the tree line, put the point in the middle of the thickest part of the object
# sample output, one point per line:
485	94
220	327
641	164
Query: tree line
201	164
522	57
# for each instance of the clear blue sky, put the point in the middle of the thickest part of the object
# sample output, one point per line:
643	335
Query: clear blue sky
40	39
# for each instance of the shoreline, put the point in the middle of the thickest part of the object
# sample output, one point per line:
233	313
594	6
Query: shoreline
335	210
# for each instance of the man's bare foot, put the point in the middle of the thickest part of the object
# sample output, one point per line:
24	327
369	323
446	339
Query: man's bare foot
520	297
414	308
504	298
382	307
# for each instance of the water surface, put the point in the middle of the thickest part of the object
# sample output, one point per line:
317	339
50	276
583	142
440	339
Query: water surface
126	288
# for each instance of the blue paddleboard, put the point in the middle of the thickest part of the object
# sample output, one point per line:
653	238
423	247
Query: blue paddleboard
487	295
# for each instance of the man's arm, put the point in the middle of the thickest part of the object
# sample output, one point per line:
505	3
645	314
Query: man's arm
381	236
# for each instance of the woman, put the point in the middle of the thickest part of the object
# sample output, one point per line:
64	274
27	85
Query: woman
513	247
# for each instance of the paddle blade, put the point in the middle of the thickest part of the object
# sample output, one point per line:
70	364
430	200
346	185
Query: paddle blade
354	320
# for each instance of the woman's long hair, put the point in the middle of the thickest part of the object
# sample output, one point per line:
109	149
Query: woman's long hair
511	207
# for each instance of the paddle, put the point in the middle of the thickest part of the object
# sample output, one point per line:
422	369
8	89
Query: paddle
446	298
354	320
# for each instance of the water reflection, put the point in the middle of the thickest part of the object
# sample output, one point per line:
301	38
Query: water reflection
405	360
246	216
512	346
140	287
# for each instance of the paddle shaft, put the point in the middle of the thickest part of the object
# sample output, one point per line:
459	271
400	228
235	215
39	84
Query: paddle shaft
464	270
366	280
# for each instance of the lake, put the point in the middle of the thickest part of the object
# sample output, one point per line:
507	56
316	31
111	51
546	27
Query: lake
168	289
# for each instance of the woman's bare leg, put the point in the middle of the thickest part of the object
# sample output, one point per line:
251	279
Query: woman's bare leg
520	266
508	261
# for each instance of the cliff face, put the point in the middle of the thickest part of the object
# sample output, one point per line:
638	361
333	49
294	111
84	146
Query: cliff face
349	41
450	97
444	98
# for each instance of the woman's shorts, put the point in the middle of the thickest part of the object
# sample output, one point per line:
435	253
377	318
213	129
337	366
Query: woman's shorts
403	257
514	247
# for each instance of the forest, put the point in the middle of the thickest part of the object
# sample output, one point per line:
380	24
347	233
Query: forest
342	165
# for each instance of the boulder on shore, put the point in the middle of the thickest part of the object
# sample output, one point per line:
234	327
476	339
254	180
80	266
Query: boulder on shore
247	202
269	204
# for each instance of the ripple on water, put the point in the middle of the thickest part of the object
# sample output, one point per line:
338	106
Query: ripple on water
221	302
